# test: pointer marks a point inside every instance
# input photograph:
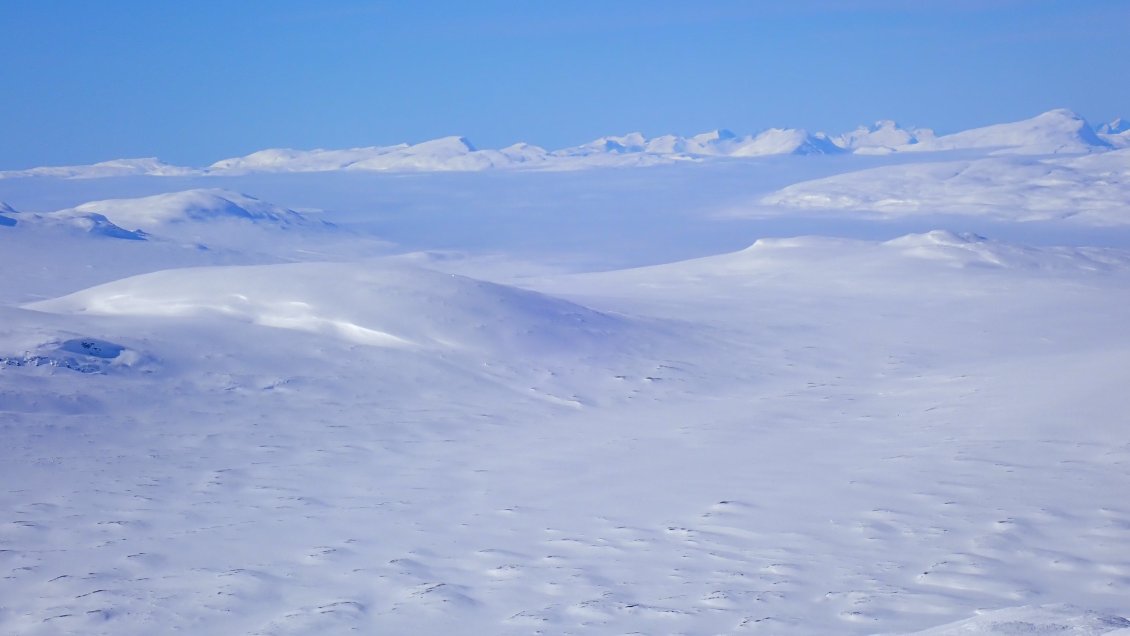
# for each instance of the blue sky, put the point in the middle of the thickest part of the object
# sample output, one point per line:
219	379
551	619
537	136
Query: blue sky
193	82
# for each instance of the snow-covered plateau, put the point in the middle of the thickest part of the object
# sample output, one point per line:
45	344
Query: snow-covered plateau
677	385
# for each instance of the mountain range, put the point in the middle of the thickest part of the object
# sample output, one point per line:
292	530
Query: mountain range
1054	132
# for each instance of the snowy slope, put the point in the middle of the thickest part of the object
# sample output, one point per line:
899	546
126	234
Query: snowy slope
289	160
113	168
82	221
882	137
1114	127
1056	131
718	143
782	141
1091	189
458	154
1116	133
157	213
1053	132
373	304
810	435
445	154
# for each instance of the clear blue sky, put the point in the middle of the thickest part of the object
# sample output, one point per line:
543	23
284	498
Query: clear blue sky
193	82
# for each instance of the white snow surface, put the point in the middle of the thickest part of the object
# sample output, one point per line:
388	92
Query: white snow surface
570	402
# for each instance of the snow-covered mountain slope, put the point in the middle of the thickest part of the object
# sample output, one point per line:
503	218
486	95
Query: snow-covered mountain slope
157	213
381	304
882	137
204	218
1090	189
1116	133
782	141
1054	132
82	221
446	154
113	168
458	154
289	160
1114	127
88	222
718	143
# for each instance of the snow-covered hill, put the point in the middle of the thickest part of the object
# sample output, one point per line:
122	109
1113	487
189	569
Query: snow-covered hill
1089	189
1116	133
1053	132
882	137
159	213
446	154
114	168
82	221
381	304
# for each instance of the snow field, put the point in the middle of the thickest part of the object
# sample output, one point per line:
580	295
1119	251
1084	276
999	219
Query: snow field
252	422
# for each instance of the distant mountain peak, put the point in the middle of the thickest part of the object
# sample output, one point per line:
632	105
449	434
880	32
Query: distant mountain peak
453	143
153	213
1117	126
1056	131
884	135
